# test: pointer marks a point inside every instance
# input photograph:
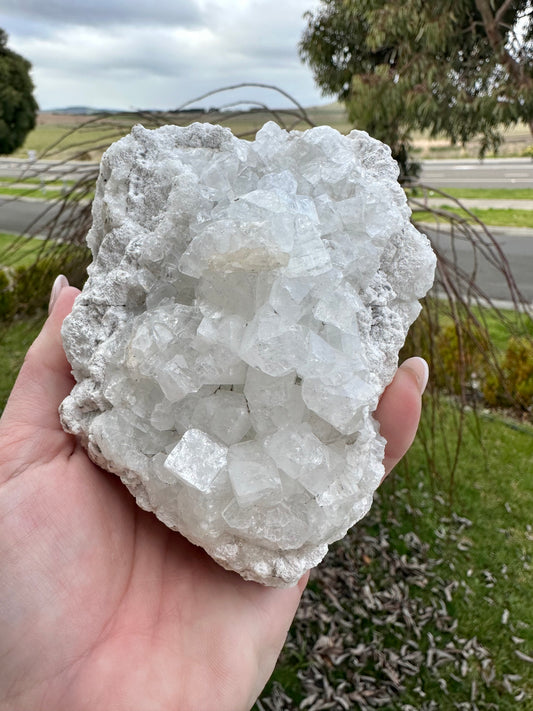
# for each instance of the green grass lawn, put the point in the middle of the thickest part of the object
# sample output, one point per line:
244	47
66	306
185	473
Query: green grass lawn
32	192
492	559
493	216
33	181
493	488
477	193
39	193
41	188
481	548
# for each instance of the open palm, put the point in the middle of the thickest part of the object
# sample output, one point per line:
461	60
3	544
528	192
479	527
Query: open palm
103	607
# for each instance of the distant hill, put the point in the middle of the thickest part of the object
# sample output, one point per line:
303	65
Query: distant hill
81	111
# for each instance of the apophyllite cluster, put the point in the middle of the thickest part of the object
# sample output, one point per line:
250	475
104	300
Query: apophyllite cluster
243	313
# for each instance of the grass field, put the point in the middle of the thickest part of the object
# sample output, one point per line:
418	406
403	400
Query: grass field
33	182
78	138
493	564
476	193
491	216
35	191
71	136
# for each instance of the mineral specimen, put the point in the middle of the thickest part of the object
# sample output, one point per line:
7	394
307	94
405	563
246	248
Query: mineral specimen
243	314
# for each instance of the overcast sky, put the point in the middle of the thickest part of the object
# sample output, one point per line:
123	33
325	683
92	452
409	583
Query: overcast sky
158	54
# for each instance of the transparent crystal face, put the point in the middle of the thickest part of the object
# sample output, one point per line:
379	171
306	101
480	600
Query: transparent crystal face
243	314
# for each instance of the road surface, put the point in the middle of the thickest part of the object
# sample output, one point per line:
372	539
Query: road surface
517	245
472	173
26	216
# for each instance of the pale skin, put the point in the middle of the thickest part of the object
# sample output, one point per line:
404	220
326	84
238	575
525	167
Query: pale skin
101	606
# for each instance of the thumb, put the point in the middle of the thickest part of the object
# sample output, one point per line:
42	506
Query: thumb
44	379
398	411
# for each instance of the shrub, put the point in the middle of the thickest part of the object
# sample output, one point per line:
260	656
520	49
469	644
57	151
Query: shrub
7	301
26	290
456	347
514	388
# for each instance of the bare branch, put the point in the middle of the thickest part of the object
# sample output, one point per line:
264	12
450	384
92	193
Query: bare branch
502	10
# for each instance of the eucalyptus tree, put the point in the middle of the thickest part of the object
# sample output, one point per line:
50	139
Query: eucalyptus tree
463	68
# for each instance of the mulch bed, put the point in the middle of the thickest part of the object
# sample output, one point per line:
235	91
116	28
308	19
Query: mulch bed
375	621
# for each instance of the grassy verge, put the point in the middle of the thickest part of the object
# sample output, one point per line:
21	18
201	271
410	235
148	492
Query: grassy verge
34	181
491	216
33	192
479	193
47	194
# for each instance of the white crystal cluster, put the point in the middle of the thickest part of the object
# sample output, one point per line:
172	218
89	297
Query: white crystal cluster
243	314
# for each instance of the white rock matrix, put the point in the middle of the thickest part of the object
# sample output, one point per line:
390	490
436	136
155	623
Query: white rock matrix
243	313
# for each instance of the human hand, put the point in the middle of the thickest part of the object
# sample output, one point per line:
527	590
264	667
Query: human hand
101	605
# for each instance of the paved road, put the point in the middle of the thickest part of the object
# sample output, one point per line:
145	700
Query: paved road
33	216
516	244
472	173
21	216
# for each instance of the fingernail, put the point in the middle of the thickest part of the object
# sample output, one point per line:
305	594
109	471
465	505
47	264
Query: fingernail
59	284
420	369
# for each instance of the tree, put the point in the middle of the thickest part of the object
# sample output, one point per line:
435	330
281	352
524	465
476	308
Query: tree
18	108
463	68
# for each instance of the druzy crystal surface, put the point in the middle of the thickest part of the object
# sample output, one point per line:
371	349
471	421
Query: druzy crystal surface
243	313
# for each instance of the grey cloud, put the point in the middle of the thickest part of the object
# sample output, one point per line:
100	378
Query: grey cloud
103	13
154	52
266	33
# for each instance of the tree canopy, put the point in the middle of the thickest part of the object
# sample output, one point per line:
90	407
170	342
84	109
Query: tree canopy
18	108
463	68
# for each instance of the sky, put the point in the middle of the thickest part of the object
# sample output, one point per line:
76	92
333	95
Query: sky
160	54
